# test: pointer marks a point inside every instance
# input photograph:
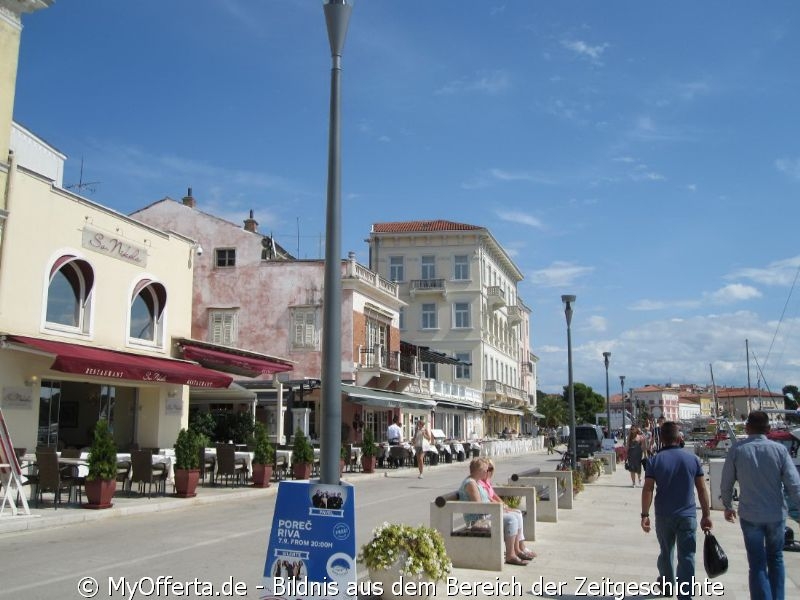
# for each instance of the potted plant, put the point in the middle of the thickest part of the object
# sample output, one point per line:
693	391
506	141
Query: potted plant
302	456
402	552
187	462
592	468
344	456
101	482
577	481
368	451
263	455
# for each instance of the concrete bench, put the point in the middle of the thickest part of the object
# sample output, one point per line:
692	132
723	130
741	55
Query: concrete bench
469	547
529	511
565	495
609	459
546	489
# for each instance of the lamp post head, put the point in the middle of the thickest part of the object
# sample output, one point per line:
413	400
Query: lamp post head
337	17
622	381
568	300
606	356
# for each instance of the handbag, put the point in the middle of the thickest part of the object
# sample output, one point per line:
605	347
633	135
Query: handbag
627	465
715	560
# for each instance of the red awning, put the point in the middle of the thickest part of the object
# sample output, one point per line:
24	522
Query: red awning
113	364
232	360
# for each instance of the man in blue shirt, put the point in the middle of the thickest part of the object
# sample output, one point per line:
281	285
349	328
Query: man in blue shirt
676	475
763	469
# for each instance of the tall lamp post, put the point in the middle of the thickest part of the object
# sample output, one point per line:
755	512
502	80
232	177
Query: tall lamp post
606	356
568	300
622	400
337	16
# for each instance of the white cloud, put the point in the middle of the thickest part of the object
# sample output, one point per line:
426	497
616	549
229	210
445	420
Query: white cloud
559	274
492	83
781	272
521	218
598	324
735	292
584	50
790	166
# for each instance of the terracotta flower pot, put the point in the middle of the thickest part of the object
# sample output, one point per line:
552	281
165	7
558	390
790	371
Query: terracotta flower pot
262	475
99	493
186	482
302	470
368	463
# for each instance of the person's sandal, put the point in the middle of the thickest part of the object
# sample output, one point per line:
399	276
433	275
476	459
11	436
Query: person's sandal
527	555
516	561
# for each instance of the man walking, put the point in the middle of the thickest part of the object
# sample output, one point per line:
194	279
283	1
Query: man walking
763	469
675	475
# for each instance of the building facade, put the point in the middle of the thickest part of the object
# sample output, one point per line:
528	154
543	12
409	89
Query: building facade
460	288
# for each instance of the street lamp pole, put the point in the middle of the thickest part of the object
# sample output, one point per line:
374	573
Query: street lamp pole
606	356
622	400
337	16
568	300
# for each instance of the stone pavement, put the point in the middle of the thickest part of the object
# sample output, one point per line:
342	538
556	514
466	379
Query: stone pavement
600	542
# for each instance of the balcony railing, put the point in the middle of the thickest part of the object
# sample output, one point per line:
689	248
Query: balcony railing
424	286
514	314
355	270
496	296
376	357
492	386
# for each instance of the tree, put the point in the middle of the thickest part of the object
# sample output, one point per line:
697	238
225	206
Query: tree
791	401
587	402
553	407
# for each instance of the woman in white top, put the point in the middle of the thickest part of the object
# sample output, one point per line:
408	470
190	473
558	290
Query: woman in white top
421	435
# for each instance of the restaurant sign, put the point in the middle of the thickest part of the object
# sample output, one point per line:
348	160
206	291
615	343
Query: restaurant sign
114	247
312	548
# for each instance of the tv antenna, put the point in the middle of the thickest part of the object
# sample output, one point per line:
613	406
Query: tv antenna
83	186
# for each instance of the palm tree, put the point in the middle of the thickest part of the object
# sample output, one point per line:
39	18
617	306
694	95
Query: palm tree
554	409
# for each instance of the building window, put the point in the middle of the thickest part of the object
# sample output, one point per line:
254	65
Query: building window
225	257
429	370
463	371
461	315
429	316
428	267
147	312
69	295
402	318
461	267
304	329
223	327
396	271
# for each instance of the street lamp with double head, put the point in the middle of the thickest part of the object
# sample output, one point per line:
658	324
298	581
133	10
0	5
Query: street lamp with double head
606	356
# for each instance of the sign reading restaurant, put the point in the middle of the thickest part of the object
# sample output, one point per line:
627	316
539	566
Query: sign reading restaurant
114	247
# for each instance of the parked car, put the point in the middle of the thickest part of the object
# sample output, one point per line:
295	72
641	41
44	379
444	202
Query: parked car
588	440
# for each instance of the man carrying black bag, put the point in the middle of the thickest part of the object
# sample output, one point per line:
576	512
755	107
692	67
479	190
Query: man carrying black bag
763	469
675	474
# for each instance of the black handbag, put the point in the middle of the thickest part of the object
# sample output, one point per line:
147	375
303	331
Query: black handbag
627	465
715	560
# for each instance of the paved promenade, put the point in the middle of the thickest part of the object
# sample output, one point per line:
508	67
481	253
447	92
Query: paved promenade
599	541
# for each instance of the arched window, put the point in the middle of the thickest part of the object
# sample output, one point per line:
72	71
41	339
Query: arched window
147	312
69	293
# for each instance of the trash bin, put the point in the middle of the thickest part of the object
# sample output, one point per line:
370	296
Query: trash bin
476	452
461	456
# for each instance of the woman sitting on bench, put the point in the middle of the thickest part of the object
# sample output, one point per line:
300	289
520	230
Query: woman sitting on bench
486	483
471	491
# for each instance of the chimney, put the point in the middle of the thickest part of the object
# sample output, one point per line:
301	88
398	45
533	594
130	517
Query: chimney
188	199
250	224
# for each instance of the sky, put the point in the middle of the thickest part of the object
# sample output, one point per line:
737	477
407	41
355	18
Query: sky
644	156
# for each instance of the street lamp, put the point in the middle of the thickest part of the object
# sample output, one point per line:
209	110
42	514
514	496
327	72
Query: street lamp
622	401
606	356
337	16
568	301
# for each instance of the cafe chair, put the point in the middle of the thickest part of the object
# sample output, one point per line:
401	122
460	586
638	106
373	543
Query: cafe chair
124	474
145	474
229	466
51	479
208	464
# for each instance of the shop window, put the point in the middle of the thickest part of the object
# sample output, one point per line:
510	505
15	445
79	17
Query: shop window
147	313
69	295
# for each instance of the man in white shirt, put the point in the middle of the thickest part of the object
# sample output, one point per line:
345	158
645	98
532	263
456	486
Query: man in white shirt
394	434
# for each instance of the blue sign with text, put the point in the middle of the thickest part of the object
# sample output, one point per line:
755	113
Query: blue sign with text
312	545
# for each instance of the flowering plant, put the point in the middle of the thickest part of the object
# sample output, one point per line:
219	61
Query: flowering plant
421	548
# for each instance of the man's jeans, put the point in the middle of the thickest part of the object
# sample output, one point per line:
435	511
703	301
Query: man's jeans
764	545
680	532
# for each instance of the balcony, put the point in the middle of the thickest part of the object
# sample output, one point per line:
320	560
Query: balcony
377	366
427	286
495	296
514	314
495	392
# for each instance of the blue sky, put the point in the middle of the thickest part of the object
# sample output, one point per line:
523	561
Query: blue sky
644	156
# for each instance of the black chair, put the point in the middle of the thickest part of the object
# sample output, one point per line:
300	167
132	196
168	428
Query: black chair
50	479
208	464
124	474
229	466
145	473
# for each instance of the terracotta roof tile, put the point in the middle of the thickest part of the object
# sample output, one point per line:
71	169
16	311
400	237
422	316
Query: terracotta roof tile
421	227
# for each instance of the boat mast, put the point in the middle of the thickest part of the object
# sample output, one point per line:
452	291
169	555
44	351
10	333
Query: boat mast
714	392
749	389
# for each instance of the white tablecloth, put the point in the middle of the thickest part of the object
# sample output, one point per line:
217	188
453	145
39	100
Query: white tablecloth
158	459
247	456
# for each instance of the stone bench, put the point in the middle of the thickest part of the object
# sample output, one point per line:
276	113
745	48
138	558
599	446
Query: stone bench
609	459
469	547
546	490
529	511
